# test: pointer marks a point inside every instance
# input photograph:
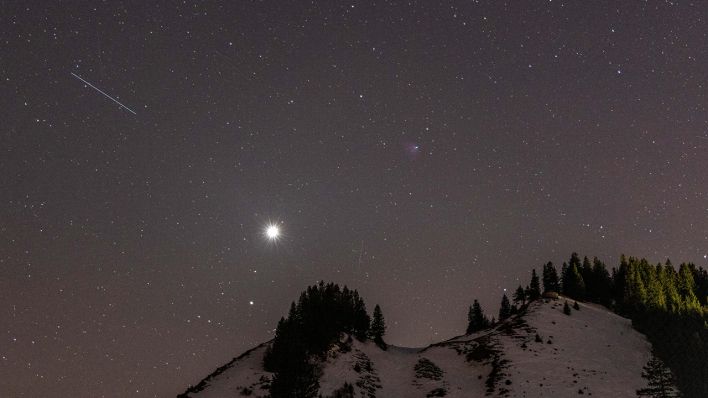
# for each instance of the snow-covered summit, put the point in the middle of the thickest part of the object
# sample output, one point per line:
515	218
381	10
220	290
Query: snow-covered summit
542	353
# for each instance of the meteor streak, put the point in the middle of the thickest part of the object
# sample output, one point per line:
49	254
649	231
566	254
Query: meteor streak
101	91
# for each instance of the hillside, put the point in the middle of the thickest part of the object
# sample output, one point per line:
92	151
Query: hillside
591	352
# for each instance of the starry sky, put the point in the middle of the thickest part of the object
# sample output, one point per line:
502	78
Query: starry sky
425	153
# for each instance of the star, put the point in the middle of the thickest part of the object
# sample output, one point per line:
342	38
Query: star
272	232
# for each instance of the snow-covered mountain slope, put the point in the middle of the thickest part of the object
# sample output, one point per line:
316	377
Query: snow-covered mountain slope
590	352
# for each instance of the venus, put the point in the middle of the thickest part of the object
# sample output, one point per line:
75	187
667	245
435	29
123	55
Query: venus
272	232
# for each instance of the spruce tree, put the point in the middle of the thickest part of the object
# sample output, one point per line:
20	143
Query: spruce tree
687	287
564	278
700	276
576	306
550	278
520	296
586	272
602	284
669	283
476	319
574	260
655	294
661	381
574	286
535	287
479	316
566	308
378	328
635	294
504	309
570	277
619	280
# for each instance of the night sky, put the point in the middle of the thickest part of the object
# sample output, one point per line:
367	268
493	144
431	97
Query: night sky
425	153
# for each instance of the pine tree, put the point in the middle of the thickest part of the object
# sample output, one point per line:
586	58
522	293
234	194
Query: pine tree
687	288
587	274
566	308
378	328
361	318
476	319
504	309
635	294
574	286
700	276
520	296
535	287
550	278
655	294
574	260
576	306
668	280
571	275
619	280
480	318
661	381
602	284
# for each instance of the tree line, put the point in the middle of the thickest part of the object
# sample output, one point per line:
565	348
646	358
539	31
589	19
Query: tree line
669	306
322	314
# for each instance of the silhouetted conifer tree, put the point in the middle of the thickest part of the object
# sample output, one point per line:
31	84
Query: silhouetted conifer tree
700	276
687	288
476	319
550	278
378	328
669	284
601	291
661	381
571	275
586	272
655	293
535	287
566	308
573	285
635	294
520	296
505	308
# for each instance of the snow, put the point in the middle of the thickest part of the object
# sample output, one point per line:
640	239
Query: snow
244	372
592	352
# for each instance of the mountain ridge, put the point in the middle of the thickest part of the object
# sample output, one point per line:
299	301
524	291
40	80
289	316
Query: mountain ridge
592	352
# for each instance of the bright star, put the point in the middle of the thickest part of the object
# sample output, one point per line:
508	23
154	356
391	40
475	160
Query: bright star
272	232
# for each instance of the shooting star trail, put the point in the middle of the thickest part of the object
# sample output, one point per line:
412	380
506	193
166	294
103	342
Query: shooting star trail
101	91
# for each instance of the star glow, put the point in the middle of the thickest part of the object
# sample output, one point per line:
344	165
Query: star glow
272	232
